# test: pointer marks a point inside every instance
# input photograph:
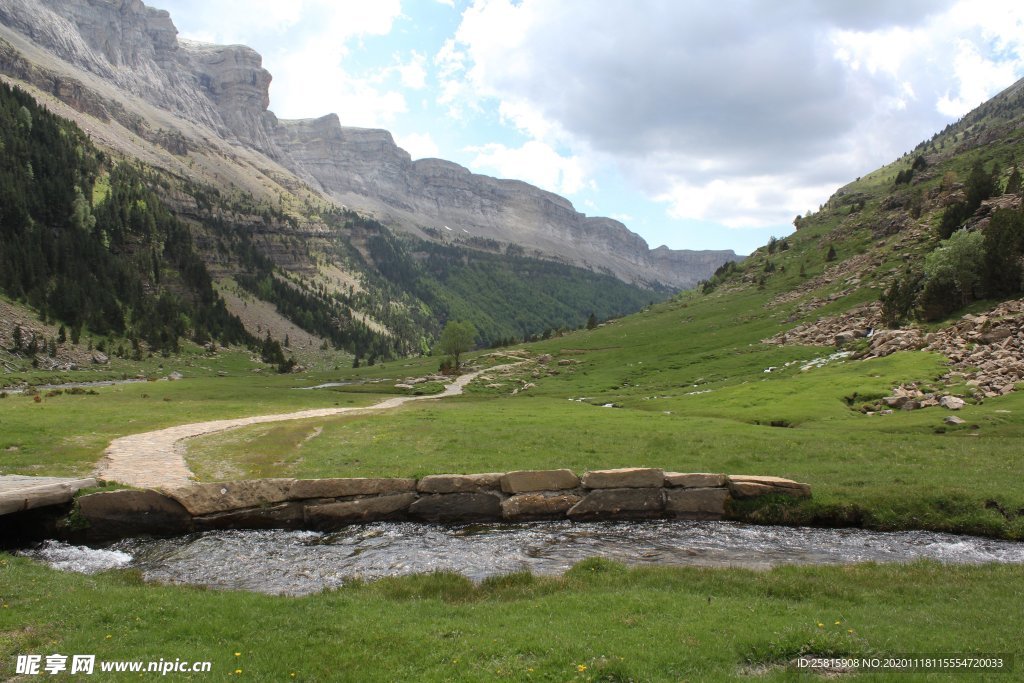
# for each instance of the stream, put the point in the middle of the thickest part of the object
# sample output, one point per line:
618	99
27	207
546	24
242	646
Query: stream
304	562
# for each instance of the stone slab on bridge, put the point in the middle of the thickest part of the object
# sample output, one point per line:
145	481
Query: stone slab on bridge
19	493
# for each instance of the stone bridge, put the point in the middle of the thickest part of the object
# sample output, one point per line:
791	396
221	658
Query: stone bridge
325	504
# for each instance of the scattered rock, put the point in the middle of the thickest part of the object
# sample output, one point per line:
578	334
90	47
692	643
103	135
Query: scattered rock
175	376
100	358
954	420
847	336
952	402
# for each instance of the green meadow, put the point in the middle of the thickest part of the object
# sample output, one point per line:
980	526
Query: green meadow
683	386
599	622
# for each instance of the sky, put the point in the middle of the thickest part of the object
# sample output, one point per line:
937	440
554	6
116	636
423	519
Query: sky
700	125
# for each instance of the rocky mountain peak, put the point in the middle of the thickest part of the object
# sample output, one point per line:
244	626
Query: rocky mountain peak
225	89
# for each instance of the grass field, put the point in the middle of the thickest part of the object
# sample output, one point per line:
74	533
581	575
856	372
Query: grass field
687	389
600	622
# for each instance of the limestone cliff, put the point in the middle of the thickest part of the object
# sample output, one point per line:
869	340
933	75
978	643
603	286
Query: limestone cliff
122	55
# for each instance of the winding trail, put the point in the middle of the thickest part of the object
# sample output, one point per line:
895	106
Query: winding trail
157	458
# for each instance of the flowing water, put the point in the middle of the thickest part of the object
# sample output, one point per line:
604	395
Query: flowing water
302	562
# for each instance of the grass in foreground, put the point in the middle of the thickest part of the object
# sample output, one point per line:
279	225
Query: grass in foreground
601	621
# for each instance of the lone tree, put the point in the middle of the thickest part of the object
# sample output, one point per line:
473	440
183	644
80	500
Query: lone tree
456	339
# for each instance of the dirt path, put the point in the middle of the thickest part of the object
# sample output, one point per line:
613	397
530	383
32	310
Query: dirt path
153	459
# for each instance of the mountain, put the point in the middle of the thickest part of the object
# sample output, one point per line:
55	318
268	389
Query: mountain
925	253
122	64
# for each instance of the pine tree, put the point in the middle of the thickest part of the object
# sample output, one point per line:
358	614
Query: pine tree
1013	185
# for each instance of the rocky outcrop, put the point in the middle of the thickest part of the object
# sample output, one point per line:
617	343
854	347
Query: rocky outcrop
135	53
633	493
985	351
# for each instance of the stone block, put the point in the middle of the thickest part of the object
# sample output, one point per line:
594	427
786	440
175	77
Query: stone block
529	481
117	514
457	507
746	486
371	509
208	499
696	503
695	480
356	486
28	493
460	483
624	478
282	516
529	506
626	503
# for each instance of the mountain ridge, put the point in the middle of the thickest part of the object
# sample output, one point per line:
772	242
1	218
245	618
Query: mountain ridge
226	89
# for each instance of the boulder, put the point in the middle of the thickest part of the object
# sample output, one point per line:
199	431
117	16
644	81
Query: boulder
952	402
622	503
624	478
207	499
847	336
694	480
995	335
356	486
457	507
696	503
528	481
746	486
954	420
100	358
117	514
371	509
528	506
460	483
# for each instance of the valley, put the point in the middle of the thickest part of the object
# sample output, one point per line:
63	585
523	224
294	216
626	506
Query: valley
159	223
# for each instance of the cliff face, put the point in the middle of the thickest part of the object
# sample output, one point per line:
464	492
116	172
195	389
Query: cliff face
224	89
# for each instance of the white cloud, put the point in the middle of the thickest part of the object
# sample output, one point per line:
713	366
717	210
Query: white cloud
418	145
310	74
413	73
534	162
978	78
737	113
